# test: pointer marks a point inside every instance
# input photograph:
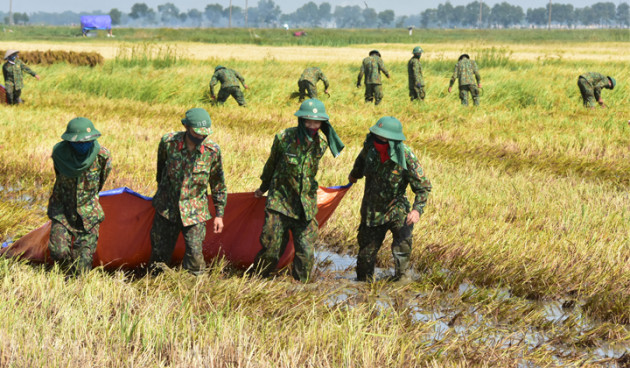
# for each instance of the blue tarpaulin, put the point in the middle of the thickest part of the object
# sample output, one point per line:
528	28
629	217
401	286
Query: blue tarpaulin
94	22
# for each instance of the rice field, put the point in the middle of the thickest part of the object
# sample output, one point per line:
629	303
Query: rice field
521	258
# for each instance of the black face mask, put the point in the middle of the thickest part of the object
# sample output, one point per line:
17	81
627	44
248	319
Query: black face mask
196	141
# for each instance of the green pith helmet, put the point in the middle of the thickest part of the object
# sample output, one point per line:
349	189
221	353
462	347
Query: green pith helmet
375	52
417	50
613	81
80	130
199	120
312	109
219	67
388	127
9	53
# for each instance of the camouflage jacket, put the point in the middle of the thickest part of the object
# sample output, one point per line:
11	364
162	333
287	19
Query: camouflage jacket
384	198
414	69
597	81
13	74
289	175
227	77
466	71
371	67
74	201
313	75
183	178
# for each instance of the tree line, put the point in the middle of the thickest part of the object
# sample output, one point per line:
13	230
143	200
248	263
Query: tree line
267	14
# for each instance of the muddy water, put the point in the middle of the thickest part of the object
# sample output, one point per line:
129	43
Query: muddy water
453	319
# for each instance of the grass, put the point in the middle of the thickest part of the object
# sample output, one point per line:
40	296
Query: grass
530	196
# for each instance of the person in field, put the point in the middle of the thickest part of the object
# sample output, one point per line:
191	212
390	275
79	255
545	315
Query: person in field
230	80
307	84
13	76
289	176
82	166
389	166
591	84
187	163
466	72
371	68
416	80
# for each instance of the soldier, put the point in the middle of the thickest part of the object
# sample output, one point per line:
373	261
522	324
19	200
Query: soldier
289	175
465	69
81	169
229	79
187	162
388	166
371	67
308	82
12	71
416	81
591	85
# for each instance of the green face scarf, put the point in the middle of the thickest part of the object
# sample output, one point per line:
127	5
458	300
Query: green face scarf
396	150
334	142
68	162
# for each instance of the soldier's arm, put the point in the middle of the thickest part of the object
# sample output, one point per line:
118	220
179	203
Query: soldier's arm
361	71
381	66
359	165
213	82
161	160
417	74
105	171
420	185
597	92
217	185
450	84
240	78
27	69
270	165
322	76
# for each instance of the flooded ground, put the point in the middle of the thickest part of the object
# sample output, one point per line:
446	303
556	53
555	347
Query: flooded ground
557	328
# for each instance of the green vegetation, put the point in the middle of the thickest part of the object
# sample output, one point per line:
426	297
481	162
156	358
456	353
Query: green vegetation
530	200
320	36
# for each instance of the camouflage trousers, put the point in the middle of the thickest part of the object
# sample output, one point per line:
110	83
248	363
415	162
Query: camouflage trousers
13	96
64	252
463	94
274	239
586	90
370	240
235	92
307	88
416	93
164	234
374	92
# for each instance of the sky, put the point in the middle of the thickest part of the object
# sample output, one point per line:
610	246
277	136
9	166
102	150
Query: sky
400	7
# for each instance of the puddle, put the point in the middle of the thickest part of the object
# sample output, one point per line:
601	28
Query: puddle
452	318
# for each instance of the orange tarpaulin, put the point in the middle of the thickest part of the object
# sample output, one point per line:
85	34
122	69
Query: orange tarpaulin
124	236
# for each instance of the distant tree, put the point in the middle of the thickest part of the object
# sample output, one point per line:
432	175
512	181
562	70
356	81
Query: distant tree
195	16
268	12
20	18
506	14
324	13
386	17
307	15
604	13
471	18
370	18
428	18
445	15
401	21
169	13
348	16
537	16
214	13
116	15
141	10
623	14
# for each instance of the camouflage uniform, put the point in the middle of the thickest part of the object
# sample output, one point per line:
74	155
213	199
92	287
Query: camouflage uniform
308	82
181	202
466	71
371	67
591	85
229	79
385	207
75	212
416	81
289	175
14	81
